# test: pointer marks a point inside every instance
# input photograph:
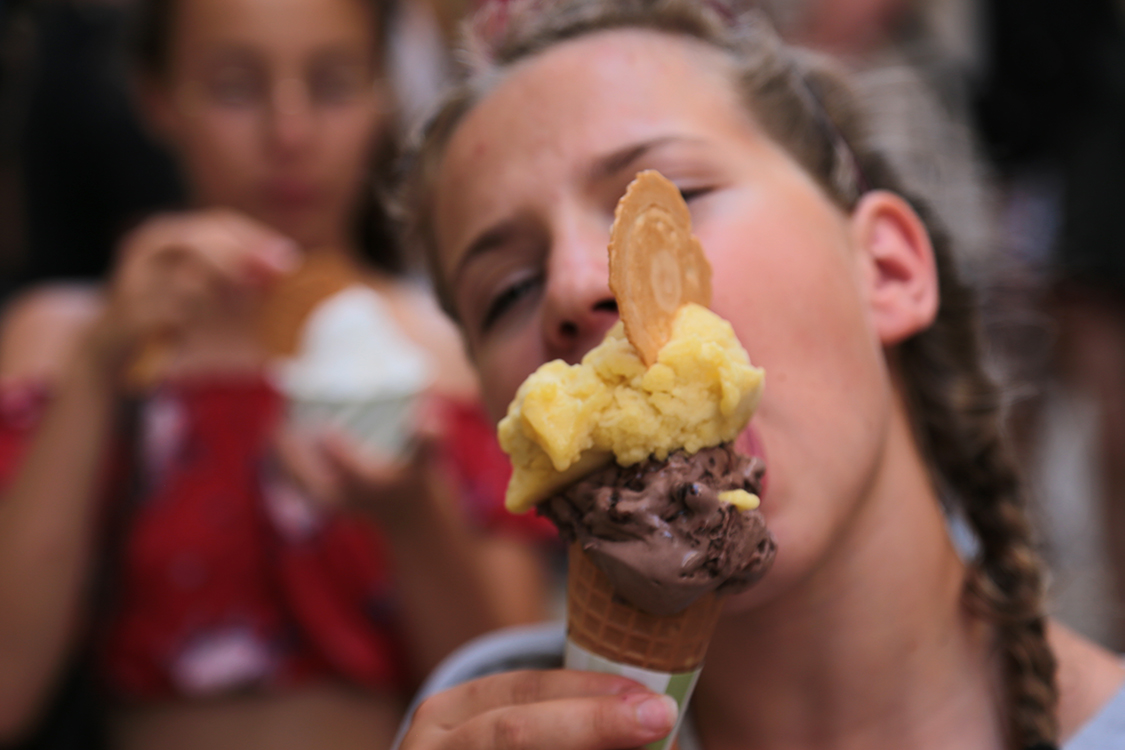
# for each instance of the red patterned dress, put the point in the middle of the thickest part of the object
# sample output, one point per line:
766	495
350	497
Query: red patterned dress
224	579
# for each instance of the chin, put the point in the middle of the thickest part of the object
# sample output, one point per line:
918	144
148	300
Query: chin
772	585
308	227
792	565
310	235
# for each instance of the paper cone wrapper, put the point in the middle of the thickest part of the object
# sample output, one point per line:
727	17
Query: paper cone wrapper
381	424
607	634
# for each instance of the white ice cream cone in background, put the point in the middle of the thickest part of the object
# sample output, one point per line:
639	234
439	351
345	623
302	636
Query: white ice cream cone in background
355	371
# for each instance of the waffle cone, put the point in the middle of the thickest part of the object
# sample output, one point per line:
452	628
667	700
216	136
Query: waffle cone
292	298
601	622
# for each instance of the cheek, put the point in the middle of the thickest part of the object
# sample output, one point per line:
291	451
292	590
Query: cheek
219	152
504	365
790	289
791	292
348	139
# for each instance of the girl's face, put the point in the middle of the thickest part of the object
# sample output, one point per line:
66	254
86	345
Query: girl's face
273	108
523	207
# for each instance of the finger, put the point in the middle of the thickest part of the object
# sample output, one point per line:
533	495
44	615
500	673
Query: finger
185	286
595	723
364	466
431	418
429	427
230	255
225	247
177	268
302	461
160	291
461	703
268	253
272	258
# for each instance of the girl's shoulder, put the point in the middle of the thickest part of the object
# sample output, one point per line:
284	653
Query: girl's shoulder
40	326
1091	683
1105	730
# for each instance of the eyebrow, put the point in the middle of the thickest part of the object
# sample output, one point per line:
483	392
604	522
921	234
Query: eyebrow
616	161
336	53
603	168
225	53
491	239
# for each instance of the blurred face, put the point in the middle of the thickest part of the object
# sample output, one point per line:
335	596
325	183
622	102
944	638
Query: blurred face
524	204
272	107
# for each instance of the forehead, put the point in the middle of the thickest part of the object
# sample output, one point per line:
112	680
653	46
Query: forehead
550	115
273	25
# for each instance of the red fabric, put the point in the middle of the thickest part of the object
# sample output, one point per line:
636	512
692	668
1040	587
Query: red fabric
21	407
223	582
482	470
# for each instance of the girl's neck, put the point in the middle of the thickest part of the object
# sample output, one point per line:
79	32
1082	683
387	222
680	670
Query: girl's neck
873	650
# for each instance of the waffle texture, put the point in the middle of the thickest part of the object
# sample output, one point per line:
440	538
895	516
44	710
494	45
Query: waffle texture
292	298
600	621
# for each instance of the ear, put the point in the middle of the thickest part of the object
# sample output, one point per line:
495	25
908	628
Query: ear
898	264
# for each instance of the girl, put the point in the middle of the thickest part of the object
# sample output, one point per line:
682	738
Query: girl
872	630
227	614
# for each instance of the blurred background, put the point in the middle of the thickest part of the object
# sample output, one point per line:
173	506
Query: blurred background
1011	114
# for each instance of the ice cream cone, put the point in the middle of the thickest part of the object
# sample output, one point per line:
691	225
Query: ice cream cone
603	623
674	516
338	353
292	298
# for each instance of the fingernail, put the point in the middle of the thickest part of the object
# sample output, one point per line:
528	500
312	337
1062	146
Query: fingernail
657	713
631	687
282	254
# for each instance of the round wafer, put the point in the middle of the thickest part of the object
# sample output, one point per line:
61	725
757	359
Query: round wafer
655	264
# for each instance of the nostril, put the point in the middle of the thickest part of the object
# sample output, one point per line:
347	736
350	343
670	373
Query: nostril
606	305
568	329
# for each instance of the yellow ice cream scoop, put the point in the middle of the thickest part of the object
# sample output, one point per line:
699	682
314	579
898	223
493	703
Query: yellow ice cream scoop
567	420
670	376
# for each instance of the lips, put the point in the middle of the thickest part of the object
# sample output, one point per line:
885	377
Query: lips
291	195
749	443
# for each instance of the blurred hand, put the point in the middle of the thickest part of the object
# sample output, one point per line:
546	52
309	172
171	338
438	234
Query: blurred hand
177	270
334	469
528	710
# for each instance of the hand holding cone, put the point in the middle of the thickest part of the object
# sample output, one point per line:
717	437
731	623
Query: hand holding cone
655	267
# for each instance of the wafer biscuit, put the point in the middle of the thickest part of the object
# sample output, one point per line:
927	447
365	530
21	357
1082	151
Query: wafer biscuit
655	264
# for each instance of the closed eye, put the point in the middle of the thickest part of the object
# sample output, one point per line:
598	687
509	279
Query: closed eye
690	194
507	299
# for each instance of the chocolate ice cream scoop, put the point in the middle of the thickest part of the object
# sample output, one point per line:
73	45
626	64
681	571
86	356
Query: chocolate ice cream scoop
660	531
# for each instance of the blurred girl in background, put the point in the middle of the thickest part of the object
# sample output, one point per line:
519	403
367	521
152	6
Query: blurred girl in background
223	607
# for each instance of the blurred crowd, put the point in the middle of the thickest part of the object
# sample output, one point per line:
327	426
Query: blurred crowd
1010	114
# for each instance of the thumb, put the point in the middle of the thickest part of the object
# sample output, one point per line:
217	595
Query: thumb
305	464
356	465
431	424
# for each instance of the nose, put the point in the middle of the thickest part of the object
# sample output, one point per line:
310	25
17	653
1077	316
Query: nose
578	305
291	117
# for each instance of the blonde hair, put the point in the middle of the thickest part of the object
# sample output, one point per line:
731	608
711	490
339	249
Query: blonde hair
808	108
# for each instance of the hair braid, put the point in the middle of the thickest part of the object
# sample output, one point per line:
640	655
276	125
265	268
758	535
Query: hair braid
958	420
956	410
